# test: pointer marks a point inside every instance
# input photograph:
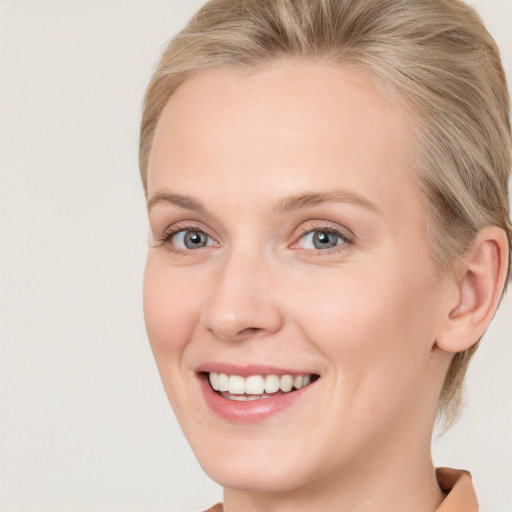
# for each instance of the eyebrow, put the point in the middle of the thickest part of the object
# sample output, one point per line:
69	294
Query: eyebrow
312	199
289	203
186	202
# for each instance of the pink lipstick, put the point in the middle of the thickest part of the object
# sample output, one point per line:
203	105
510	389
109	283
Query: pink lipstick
251	393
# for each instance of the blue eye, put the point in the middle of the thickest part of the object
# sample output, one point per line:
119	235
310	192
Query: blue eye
191	239
322	239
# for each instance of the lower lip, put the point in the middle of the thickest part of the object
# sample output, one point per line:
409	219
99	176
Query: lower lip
250	411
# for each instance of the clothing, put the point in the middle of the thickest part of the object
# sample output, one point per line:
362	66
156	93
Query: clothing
456	484
216	508
461	494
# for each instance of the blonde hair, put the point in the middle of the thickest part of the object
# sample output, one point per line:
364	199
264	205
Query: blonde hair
436	54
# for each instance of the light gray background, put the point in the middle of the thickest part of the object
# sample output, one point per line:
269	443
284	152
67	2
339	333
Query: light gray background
84	423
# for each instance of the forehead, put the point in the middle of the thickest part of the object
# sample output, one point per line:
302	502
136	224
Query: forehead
283	127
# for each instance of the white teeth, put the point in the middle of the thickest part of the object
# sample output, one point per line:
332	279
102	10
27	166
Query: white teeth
286	383
214	380
239	398
236	385
255	387
223	382
256	397
271	383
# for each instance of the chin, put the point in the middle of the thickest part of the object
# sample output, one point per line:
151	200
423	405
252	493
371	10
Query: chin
264	477
259	466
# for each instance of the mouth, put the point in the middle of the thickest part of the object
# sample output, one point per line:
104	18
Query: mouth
257	387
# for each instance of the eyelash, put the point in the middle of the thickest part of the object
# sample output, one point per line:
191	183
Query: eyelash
165	239
346	240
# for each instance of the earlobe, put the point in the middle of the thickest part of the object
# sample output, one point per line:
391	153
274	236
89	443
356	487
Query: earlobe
478	291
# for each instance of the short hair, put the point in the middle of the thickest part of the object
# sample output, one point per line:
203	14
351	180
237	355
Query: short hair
434	54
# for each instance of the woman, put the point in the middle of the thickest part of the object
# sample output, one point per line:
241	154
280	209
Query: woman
327	196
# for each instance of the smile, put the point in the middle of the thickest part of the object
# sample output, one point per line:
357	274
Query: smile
257	387
252	393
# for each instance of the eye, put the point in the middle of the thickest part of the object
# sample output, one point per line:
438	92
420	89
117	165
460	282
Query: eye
322	239
190	239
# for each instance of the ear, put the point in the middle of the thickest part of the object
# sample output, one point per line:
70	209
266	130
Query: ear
478	288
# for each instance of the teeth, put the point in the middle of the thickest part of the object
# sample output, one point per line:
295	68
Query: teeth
223	382
236	385
256	386
286	383
244	398
214	381
271	383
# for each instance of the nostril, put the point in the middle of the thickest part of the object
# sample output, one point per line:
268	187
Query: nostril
249	330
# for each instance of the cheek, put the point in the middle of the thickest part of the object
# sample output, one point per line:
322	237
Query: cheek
375	328
171	315
169	310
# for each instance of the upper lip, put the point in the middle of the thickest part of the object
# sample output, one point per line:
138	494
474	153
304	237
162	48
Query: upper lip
248	369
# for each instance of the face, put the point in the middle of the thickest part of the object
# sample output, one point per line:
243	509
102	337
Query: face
289	266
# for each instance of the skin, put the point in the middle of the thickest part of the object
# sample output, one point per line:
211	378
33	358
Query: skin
365	315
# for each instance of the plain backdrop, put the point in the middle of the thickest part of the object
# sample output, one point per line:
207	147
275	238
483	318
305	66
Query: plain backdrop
84	422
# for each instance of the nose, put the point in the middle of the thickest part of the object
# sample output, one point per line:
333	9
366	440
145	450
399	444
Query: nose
242	302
